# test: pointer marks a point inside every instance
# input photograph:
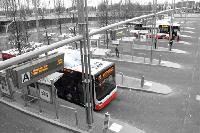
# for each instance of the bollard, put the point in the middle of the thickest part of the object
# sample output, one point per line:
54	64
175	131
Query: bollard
142	81
160	59
24	97
106	122
39	100
122	77
170	47
54	94
76	117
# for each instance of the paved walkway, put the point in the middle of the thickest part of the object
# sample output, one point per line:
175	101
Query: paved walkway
159	49
66	115
186	36
142	60
184	42
135	84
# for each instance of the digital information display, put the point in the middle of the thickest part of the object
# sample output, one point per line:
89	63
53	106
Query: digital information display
106	73
33	71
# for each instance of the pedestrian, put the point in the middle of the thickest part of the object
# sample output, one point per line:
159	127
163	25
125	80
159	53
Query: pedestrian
155	43
178	38
170	44
117	52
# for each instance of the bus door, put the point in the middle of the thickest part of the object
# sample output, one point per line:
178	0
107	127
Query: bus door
70	88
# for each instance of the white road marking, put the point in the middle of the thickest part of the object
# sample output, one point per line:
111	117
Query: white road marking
190	28
185	36
189	32
115	127
148	84
184	42
198	97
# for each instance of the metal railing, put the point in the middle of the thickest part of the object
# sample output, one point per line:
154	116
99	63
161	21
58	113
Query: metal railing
75	112
35	53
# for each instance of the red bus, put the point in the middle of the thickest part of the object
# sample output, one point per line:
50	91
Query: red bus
69	86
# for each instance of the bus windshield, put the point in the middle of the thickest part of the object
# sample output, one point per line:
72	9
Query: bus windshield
105	83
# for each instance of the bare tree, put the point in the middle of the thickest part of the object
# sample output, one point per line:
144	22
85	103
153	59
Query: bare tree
25	24
6	5
103	10
36	4
59	11
73	20
41	12
15	37
18	29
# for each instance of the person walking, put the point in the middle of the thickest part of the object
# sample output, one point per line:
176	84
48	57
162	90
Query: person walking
170	44
155	43
117	52
178	38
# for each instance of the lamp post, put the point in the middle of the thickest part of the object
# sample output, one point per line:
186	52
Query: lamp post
85	61
171	23
153	30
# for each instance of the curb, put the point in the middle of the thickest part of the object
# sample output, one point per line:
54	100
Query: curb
53	122
140	89
140	63
161	51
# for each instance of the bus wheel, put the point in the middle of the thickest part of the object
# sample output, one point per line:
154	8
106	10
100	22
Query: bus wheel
69	96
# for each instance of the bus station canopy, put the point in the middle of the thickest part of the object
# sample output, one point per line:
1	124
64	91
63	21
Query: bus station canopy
52	77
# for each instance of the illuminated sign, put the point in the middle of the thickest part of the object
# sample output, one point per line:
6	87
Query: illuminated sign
39	70
106	73
165	26
32	71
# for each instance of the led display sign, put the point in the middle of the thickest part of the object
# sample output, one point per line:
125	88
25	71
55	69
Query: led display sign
106	73
165	26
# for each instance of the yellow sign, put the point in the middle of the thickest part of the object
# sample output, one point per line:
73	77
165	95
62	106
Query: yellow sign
106	74
39	70
165	26
59	61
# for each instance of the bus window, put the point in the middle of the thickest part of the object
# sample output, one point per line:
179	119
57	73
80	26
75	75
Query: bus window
164	28
104	84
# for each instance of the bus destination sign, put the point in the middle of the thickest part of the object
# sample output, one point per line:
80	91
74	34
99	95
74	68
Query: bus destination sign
106	74
32	71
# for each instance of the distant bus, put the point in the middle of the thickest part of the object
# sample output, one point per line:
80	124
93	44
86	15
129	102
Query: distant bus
164	27
69	86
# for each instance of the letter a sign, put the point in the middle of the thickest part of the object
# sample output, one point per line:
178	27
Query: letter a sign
25	77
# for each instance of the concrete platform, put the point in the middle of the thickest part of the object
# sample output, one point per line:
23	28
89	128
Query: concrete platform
135	84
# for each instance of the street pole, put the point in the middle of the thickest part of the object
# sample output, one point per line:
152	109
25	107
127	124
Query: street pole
181	11
107	24
36	19
187	10
171	24
89	56
85	63
153	30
